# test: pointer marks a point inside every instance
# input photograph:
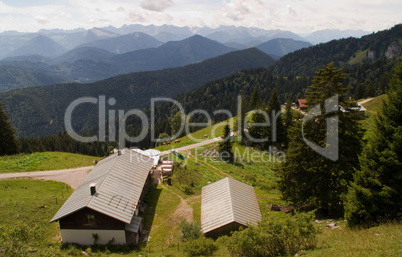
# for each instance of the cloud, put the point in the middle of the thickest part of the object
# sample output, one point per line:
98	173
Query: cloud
292	11
42	20
135	16
156	5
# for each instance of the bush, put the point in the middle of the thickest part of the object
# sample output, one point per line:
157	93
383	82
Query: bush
19	240
201	246
274	236
189	230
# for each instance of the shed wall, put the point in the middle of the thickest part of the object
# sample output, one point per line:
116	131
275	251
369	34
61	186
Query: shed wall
79	220
85	236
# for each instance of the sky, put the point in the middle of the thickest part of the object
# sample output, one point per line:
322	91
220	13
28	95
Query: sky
299	16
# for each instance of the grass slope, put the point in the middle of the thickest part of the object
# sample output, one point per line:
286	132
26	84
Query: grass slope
167	205
26	209
383	240
43	161
374	105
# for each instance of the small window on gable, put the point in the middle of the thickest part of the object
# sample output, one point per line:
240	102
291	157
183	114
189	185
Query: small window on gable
90	219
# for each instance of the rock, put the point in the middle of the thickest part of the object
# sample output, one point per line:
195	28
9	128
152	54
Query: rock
394	50
332	225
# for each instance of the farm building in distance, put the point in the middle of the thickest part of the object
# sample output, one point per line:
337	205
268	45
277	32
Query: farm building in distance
107	202
301	104
226	205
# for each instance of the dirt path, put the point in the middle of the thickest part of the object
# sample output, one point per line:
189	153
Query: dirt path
72	177
189	147
183	211
365	101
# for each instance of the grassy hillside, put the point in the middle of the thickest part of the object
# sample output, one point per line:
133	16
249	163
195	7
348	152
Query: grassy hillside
383	240
374	105
30	204
44	161
26	209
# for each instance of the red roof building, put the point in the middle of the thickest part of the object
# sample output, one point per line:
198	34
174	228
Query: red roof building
301	103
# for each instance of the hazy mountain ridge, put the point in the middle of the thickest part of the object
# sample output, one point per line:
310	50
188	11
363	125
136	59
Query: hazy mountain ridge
323	36
40	111
69	39
126	43
15	78
282	46
92	64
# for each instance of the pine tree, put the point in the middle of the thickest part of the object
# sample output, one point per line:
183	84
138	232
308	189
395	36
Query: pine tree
308	178
177	123
288	119
276	132
257	130
255	100
377	189
8	142
242	112
225	146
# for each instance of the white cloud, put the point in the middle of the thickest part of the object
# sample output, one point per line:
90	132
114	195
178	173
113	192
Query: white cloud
300	16
42	20
156	5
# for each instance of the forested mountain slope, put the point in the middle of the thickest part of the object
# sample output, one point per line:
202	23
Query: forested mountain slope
40	111
306	61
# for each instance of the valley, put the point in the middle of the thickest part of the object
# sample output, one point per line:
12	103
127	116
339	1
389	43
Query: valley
310	125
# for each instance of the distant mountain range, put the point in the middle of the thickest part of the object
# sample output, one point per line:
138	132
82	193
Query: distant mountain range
281	46
323	36
87	64
126	43
132	37
39	111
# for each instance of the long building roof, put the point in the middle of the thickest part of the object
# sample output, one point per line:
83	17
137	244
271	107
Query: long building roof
226	201
119	181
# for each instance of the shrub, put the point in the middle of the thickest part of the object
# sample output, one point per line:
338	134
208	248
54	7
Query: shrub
189	230
18	240
201	246
274	236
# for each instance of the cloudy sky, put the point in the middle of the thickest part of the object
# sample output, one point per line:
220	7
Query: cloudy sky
299	16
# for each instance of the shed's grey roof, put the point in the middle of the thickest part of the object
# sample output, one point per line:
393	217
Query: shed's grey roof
119	182
226	201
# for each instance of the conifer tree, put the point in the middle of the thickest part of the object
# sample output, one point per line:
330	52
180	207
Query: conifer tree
308	178
255	100
225	146
288	119
276	131
376	192
8	142
242	112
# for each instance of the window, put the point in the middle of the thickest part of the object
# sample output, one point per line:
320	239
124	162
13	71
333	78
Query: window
90	219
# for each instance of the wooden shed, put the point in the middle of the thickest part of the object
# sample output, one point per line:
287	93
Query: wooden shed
106	204
226	205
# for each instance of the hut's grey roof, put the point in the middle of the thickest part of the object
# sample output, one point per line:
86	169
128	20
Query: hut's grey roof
119	183
226	201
